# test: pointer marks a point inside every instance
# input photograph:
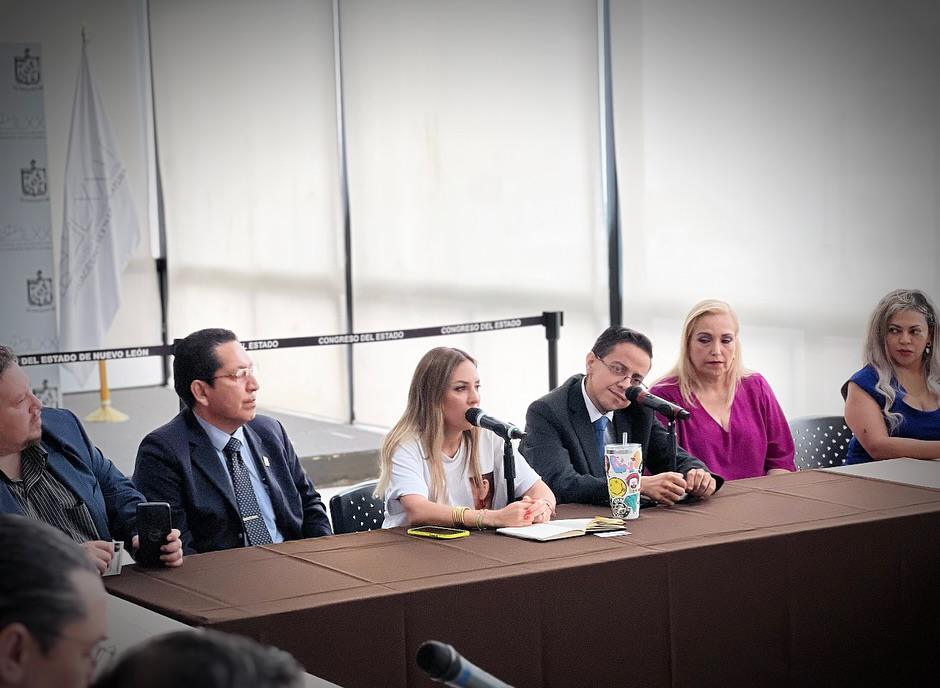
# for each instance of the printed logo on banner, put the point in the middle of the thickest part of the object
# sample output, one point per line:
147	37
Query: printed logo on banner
24	238
33	182
39	294
18	126
49	396
26	71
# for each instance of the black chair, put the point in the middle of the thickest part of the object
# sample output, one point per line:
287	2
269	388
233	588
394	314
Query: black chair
355	510
821	441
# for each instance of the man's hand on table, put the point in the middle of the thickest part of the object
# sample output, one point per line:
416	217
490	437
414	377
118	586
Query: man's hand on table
172	551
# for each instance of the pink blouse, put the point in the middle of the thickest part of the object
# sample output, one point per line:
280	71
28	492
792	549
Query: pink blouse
757	439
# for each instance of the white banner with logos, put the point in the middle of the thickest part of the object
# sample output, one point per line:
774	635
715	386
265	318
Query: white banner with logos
27	291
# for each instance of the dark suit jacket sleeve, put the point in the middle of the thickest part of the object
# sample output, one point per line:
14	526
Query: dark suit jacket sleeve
120	496
158	475
544	449
316	522
659	451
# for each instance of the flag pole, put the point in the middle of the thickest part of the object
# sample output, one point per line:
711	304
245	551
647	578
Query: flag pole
105	413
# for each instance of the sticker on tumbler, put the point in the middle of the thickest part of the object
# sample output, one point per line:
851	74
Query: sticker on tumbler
617	487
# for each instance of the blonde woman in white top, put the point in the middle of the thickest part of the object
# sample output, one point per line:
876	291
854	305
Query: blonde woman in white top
438	469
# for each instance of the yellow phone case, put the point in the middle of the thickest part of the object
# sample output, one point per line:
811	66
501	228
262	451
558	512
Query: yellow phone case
439	532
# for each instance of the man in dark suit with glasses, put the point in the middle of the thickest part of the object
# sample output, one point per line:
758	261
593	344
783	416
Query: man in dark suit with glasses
568	428
231	477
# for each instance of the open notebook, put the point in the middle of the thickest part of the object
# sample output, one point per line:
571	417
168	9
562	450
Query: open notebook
564	528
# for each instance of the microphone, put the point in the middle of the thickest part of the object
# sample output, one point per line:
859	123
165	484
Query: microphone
443	663
668	409
507	431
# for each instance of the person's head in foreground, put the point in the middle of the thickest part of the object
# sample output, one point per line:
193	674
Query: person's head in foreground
52	607
203	659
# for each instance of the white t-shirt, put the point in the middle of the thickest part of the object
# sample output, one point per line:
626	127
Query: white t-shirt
411	475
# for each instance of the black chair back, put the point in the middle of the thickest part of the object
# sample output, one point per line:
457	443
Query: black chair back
355	509
821	441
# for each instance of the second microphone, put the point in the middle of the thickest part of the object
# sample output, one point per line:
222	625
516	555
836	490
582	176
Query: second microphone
668	409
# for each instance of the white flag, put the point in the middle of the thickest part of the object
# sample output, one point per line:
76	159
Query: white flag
100	229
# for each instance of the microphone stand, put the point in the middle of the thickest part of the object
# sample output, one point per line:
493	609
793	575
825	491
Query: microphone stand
673	444
509	471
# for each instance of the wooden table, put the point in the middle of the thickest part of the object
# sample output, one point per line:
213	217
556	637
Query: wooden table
811	578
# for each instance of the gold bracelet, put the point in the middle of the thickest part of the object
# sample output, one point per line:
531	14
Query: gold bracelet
459	513
480	525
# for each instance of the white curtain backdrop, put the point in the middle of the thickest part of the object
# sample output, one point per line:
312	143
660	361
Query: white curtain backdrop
247	134
782	156
474	187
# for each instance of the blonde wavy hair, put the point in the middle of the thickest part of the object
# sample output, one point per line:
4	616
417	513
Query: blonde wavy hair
684	372
423	421
876	345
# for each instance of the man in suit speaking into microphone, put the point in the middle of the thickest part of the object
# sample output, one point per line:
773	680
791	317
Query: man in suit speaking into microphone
568	428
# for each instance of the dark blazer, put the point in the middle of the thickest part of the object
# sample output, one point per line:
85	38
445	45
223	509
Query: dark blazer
79	465
178	464
560	444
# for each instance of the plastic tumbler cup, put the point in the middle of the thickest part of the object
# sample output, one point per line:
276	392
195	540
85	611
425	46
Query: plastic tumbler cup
624	465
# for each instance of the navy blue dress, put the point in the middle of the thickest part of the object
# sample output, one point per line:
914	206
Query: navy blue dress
915	424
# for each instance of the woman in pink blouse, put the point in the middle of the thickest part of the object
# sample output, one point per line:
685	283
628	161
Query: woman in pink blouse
737	427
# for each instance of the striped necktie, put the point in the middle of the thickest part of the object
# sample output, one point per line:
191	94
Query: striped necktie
256	532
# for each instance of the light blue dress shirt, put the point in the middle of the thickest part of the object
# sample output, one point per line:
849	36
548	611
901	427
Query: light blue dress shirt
219	439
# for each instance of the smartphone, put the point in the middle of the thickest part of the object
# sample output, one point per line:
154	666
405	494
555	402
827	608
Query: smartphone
153	525
438	532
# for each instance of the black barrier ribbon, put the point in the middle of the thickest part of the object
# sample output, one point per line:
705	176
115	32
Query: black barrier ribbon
288	342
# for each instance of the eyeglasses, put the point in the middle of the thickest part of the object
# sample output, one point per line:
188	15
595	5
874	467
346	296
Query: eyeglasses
617	370
241	374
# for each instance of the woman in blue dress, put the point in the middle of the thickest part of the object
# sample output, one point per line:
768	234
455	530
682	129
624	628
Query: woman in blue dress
892	405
